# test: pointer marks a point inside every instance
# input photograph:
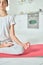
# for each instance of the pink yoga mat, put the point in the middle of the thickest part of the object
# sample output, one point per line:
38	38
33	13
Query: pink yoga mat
33	51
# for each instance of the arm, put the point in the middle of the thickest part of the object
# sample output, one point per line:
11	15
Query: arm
14	38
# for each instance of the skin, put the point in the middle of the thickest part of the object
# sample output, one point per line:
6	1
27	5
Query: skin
3	5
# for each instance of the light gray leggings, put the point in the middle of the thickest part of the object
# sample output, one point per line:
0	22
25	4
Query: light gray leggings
16	49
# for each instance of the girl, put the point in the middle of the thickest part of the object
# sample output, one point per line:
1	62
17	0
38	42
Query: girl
9	43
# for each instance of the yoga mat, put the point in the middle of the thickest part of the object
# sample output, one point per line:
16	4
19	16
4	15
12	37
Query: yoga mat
33	51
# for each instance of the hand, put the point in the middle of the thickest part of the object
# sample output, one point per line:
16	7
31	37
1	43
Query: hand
7	44
26	45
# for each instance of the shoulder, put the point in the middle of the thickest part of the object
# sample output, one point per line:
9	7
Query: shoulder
11	19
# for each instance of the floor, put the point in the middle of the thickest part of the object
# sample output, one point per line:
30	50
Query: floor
21	61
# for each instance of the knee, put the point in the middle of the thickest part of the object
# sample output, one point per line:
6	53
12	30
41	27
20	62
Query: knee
19	49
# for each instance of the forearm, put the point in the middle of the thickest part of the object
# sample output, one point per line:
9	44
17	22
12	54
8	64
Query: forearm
14	38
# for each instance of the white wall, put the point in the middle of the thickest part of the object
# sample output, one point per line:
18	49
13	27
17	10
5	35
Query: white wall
16	8
34	36
28	34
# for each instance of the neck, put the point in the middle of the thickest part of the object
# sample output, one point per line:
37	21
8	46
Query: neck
3	12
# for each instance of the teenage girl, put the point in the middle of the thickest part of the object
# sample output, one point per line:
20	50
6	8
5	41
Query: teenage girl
9	43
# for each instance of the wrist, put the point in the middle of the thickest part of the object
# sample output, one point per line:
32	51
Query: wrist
21	44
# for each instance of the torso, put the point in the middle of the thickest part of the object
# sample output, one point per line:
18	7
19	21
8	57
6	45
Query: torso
4	28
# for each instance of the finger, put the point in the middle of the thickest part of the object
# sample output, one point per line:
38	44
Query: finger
28	44
11	45
25	48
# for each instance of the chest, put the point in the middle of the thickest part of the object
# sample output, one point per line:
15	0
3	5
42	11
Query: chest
4	23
